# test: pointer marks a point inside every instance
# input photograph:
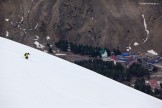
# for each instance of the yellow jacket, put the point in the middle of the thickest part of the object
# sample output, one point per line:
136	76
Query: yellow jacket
26	54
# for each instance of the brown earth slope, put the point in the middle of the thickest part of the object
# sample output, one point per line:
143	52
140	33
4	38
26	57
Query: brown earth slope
109	23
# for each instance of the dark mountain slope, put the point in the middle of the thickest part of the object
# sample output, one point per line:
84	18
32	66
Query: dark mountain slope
109	23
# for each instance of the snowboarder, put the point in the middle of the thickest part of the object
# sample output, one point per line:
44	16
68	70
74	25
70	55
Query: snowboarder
26	55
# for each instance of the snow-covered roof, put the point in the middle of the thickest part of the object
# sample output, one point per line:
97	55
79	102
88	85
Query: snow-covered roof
46	81
152	52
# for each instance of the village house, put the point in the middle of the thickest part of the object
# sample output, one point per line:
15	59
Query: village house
154	84
103	54
151	58
130	61
127	59
149	61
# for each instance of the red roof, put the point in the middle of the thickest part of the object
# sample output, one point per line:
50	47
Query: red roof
114	58
154	84
129	60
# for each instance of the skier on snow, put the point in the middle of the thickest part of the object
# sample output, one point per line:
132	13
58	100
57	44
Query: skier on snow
26	55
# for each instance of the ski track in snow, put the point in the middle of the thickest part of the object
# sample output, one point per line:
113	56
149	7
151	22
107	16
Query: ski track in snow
145	25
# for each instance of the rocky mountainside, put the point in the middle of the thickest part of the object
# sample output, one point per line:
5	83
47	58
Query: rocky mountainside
127	24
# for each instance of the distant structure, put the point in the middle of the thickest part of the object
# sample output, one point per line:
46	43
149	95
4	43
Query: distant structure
103	54
112	53
126	59
154	84
149	61
151	58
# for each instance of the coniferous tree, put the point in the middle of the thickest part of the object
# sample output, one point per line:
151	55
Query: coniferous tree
156	92
160	96
141	86
108	51
137	70
161	85
80	49
50	50
148	90
118	52
62	44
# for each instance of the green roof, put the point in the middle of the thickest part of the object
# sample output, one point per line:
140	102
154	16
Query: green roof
102	51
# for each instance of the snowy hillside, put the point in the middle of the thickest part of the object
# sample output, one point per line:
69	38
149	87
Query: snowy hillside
45	81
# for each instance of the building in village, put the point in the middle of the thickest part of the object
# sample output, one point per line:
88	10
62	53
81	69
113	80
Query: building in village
154	84
147	65
103	54
151	58
106	58
130	61
125	59
149	61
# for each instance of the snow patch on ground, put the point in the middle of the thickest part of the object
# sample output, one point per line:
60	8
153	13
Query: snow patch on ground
129	48
48	38
24	29
136	44
7	20
21	28
37	37
145	25
39	45
7	33
36	26
45	51
152	52
60	54
22	19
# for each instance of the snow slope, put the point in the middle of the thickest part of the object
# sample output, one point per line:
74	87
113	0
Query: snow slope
45	81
